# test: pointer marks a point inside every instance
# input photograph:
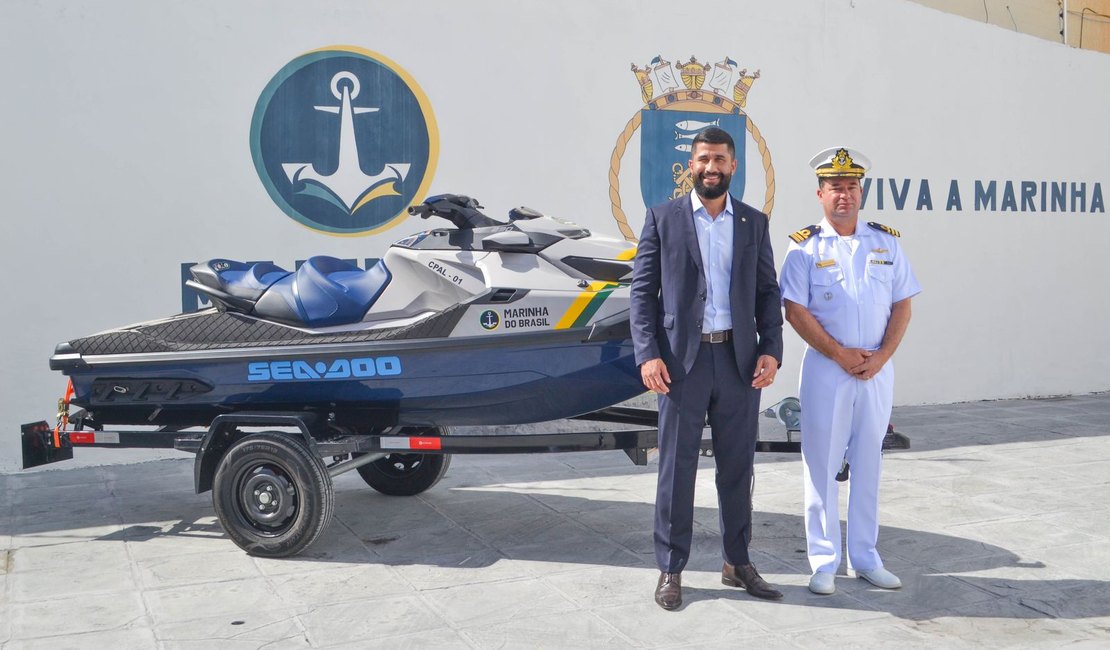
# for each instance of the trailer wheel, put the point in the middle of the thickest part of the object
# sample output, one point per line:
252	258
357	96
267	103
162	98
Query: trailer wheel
272	495
408	473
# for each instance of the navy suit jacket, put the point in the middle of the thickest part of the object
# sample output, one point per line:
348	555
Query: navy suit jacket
669	288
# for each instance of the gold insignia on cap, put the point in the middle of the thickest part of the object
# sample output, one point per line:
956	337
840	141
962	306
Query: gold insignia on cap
840	161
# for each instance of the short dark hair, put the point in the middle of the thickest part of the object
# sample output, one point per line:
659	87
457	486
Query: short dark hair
714	135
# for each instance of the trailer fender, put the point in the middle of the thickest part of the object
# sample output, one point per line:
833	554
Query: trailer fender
224	431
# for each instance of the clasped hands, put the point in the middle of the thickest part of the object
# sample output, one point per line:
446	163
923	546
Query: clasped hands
657	379
861	364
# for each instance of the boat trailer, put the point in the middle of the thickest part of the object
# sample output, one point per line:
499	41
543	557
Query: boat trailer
271	472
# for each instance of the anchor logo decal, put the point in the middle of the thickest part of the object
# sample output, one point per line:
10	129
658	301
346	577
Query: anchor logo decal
344	140
348	186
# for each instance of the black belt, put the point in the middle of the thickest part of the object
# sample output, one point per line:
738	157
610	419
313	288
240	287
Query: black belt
720	336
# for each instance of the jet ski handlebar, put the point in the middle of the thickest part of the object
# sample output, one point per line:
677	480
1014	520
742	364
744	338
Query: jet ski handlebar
460	210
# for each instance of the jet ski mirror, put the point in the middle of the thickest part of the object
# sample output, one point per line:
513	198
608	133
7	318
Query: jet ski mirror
506	240
523	212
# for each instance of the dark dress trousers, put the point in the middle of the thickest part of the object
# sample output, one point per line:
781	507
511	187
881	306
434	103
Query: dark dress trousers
668	304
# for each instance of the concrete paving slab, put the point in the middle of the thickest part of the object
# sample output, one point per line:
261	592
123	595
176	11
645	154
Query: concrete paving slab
1005	623
423	544
1023	539
442	638
271	626
499	602
77	615
473	569
1075	477
554	530
340	547
477	507
558	630
237	599
194	568
1090	522
593	588
69	556
1089	560
993	520
163	536
374	621
593	552
129	639
305	590
862	634
90	580
701	619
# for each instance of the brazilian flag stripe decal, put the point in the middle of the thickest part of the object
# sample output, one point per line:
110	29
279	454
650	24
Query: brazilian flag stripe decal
586	305
593	306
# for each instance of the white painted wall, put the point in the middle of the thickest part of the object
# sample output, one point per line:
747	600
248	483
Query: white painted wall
124	140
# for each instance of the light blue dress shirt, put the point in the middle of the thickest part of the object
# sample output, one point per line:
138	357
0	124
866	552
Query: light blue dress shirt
715	244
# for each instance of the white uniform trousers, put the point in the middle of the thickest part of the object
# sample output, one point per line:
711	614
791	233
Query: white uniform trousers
842	417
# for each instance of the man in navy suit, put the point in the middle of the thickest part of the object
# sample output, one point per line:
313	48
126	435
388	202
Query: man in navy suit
707	329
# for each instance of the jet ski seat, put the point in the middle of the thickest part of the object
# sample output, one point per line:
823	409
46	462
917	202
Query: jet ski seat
239	279
324	291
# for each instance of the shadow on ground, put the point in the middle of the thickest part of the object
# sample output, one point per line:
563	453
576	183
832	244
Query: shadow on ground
470	526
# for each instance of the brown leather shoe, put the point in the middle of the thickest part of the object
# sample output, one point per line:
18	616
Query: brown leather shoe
668	593
746	577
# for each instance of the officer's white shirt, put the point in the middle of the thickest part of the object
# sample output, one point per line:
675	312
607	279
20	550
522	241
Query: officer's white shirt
849	287
715	243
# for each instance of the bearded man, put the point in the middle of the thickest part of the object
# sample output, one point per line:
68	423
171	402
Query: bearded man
707	329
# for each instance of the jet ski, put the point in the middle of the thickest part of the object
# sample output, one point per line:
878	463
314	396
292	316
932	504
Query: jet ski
485	322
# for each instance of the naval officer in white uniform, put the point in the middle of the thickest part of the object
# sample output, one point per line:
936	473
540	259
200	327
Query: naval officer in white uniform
846	286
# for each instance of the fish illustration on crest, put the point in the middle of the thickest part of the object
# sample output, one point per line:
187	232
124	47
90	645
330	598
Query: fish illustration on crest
672	115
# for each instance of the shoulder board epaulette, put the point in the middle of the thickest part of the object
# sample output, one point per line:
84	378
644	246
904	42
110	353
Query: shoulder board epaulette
805	233
887	229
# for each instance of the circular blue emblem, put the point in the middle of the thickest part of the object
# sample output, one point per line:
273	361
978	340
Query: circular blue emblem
489	319
344	140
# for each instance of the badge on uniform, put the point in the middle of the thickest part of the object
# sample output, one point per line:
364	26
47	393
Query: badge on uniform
887	229
883	262
824	264
879	250
828	295
805	233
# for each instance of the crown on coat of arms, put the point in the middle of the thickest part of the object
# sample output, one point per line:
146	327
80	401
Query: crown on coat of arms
660	78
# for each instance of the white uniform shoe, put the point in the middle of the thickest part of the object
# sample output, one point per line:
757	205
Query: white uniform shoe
823	583
880	578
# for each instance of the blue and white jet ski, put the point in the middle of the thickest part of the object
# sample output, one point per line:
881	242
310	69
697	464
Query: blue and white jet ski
483	323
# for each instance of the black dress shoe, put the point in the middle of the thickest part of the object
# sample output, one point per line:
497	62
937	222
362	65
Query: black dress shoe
746	577
668	593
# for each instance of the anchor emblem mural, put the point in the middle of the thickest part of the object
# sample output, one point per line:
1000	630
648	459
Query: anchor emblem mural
344	140
348	183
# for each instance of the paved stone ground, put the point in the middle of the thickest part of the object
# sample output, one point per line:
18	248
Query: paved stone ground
996	520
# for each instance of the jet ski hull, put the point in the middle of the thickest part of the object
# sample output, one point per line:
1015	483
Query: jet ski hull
510	379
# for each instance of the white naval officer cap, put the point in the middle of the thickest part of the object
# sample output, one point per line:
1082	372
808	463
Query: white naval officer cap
840	161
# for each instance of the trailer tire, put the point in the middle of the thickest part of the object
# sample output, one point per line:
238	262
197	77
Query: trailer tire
273	496
406	474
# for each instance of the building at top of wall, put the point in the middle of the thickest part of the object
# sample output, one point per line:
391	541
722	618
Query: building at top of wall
1087	25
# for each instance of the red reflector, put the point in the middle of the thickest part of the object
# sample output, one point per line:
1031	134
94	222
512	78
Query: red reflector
425	443
82	438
